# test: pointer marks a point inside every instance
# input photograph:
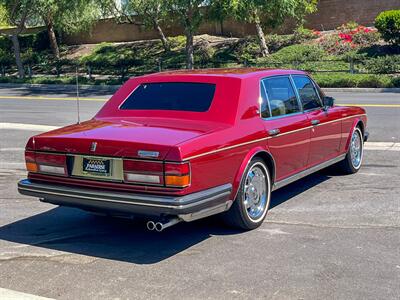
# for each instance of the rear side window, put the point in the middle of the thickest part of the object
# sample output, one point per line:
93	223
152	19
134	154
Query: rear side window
281	97
183	96
308	95
264	103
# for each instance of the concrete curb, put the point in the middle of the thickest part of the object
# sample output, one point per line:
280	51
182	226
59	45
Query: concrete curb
113	88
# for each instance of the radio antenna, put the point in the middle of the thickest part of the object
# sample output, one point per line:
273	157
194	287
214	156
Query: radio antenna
77	96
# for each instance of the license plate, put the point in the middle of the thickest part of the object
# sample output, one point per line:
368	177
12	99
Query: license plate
96	166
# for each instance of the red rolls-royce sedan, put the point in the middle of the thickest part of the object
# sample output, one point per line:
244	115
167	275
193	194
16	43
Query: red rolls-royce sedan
185	145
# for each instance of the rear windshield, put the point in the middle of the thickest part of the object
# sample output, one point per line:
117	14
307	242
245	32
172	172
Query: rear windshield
184	96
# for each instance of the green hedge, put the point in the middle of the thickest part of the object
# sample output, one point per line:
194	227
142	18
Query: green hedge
324	80
388	24
357	80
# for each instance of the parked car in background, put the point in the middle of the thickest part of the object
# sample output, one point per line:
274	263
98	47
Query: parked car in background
185	145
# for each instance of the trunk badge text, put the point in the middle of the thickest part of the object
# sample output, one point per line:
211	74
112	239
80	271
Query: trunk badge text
93	146
151	154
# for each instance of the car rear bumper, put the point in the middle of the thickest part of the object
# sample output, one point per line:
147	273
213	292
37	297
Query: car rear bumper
188	207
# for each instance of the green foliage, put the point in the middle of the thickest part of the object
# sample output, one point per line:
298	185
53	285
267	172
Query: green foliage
106	55
388	24
383	64
3	16
36	41
297	53
6	58
189	14
347	26
5	43
274	12
366	38
356	80
69	16
302	34
29	57
146	12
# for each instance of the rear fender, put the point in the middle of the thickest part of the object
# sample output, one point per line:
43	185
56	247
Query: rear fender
249	156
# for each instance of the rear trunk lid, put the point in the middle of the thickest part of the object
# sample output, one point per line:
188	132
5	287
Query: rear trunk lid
123	138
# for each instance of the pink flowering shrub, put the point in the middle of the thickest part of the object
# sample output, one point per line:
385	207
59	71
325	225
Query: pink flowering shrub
348	39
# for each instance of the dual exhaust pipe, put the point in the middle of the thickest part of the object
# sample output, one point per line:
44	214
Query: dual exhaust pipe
160	226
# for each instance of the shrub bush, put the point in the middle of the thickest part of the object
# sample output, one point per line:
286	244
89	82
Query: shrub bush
349	39
356	80
388	24
297	53
6	57
5	43
383	64
37	41
302	34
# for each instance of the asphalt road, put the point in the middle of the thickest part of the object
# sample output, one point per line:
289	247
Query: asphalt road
325	237
384	124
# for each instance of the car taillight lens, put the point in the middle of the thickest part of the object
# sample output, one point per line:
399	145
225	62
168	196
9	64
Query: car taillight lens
143	172
46	163
30	162
177	174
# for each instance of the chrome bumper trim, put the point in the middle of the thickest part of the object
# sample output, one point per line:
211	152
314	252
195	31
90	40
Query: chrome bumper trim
124	201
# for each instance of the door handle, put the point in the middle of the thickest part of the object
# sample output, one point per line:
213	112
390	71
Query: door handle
273	132
315	122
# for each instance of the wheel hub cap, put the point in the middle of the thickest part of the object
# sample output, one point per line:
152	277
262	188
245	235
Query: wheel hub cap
356	149
255	192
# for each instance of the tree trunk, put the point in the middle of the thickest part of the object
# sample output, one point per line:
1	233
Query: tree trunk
189	49
17	53
163	39
261	39
52	37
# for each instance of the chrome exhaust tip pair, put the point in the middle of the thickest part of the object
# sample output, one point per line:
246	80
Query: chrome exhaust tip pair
160	226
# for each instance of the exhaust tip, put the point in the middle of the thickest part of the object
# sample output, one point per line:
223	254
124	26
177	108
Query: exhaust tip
159	226
151	225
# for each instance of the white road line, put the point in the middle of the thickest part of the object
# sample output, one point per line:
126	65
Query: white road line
11	149
382	146
13	295
30	127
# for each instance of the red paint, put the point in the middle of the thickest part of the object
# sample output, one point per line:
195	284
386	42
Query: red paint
218	143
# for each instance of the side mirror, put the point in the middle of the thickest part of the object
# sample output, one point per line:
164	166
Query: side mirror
328	101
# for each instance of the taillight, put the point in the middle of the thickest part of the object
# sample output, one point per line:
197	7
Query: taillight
143	172
177	174
30	162
48	163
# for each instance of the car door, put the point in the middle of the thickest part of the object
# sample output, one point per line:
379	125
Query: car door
286	125
326	125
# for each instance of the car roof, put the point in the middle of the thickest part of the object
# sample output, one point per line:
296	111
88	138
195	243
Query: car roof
228	72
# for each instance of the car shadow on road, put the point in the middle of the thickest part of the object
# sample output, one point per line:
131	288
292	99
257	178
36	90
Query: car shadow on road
74	231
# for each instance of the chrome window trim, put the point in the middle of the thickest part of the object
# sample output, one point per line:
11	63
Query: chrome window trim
266	95
296	93
269	106
315	89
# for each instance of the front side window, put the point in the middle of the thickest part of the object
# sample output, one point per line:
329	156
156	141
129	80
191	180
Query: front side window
281	97
181	96
307	93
